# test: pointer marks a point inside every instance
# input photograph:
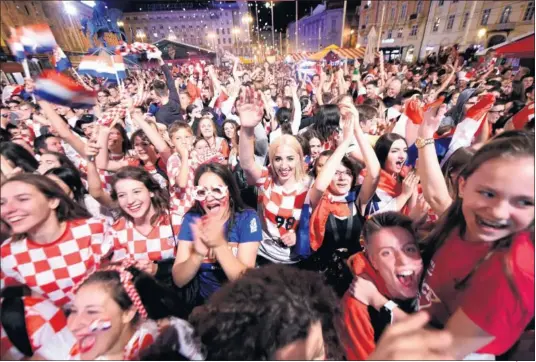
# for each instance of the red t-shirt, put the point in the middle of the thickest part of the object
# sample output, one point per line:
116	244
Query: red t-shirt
489	298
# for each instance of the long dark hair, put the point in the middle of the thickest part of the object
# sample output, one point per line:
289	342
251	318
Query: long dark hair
383	146
235	200
19	156
71	177
67	208
160	200
327	121
236	126
283	117
509	145
125	145
13	319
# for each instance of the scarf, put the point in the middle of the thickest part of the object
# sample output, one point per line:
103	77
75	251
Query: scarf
328	204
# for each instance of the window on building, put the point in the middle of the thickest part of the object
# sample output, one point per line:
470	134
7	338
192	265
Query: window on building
393	11
436	24
218	31
219	42
505	16
333	24
390	34
403	11
529	13
419	7
414	30
400	32
450	22
465	20
135	18
441	2
366	19
454	1
228	31
161	26
485	17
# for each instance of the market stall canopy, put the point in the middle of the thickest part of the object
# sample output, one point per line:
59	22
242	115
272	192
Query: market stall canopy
297	57
333	53
518	47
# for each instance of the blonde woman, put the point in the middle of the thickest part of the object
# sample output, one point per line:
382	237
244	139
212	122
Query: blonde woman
283	188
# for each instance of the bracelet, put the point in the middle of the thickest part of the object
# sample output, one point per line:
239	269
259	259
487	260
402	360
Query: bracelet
421	142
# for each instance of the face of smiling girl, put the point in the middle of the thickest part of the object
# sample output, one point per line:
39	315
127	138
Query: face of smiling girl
285	163
134	198
396	157
495	203
229	130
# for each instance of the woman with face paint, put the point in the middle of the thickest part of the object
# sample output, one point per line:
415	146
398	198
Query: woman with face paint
32	327
47	225
117	313
207	130
483	296
283	187
219	237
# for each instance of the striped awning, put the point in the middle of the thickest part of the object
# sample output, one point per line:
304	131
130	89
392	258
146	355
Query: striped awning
298	57
342	53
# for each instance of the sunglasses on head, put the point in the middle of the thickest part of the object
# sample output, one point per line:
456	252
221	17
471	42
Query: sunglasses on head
201	193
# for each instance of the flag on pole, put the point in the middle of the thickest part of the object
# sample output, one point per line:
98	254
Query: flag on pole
60	89
36	39
16	47
60	60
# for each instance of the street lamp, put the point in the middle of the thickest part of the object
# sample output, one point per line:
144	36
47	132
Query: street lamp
482	33
70	8
212	36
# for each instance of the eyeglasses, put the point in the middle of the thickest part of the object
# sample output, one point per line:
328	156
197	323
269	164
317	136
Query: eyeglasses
201	193
343	173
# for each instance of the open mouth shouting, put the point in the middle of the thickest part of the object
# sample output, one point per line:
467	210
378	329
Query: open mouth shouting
86	342
399	164
213	207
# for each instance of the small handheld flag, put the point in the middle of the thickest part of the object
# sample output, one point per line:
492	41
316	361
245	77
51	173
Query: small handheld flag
60	60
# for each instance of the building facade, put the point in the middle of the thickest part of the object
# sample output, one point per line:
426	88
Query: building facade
318	30
413	29
402	30
476	23
221	27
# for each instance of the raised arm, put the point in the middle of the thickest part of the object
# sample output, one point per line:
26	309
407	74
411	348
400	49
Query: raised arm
94	182
296	119
327	173
154	136
434	187
62	128
170	82
250	116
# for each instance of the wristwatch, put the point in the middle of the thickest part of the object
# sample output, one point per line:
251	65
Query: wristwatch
387	310
421	142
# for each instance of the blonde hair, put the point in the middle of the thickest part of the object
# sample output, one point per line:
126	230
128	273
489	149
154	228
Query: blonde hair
292	142
209	118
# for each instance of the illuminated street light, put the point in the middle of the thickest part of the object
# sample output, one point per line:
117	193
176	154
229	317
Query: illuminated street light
70	8
357	45
235	31
211	35
247	19
482	32
120	23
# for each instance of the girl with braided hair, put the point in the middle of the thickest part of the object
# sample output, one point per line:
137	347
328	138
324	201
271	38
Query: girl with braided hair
118	311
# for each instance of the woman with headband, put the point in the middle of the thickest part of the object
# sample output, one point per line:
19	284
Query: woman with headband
118	311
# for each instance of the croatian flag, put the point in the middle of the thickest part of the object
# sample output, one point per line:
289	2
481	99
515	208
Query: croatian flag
466	129
16	47
36	39
60	89
119	66
98	66
60	60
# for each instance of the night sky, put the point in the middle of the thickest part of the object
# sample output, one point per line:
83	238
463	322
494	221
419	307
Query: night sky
284	11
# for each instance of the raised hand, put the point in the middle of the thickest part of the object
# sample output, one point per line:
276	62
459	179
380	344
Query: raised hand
409	185
199	247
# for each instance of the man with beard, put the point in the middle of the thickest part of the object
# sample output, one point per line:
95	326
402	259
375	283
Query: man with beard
165	94
391	262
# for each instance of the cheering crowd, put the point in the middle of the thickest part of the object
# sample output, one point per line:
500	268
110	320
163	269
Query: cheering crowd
241	212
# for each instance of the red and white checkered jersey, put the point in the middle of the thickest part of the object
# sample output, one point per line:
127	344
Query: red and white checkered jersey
280	209
158	245
47	330
52	269
181	197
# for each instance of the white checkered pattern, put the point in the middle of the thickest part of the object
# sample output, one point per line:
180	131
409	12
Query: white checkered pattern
280	209
53	269
181	197
47	330
160	244
144	336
